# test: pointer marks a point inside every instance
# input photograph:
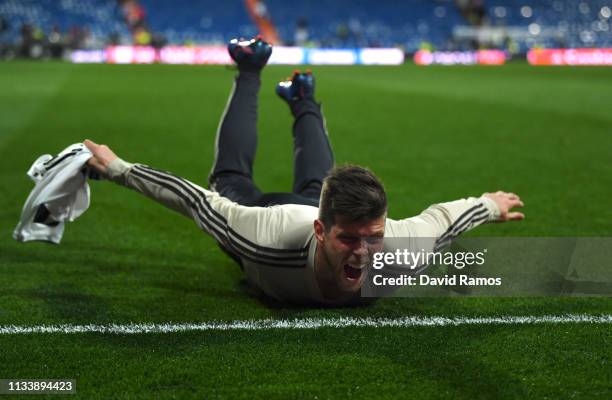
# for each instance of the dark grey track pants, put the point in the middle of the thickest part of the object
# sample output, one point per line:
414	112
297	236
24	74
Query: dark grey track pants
232	172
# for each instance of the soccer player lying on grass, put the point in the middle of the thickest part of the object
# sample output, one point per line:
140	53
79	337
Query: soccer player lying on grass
311	245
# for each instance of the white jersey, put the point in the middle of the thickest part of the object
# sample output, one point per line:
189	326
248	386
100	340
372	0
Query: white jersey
60	194
275	245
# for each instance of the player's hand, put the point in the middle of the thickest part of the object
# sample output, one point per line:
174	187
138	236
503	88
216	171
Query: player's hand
506	202
102	156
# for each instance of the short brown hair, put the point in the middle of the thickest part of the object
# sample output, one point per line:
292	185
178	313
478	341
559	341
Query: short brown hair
352	193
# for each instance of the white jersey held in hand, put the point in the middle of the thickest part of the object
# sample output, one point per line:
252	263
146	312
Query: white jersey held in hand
60	194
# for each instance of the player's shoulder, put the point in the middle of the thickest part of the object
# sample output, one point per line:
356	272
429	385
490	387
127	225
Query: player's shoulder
391	227
408	227
297	211
294	224
295	216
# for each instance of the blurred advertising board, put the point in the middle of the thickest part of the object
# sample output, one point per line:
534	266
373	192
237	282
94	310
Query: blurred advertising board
480	57
219	55
570	57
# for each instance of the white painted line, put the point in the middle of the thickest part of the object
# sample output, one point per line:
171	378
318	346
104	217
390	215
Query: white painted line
309	323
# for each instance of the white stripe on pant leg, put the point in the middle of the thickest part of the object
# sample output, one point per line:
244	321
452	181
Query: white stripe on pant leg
309	323
223	115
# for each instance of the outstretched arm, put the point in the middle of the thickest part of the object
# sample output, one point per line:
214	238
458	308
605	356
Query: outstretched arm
254	233
445	221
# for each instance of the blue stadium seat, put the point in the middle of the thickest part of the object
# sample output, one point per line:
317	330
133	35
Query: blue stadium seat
573	23
203	21
102	17
369	23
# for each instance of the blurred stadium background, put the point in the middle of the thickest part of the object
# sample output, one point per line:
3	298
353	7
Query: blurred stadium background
50	28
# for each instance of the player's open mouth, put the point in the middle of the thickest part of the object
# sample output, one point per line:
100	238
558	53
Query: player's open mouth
352	273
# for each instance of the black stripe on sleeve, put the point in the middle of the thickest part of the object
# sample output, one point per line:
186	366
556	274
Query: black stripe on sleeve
218	235
467	219
466	215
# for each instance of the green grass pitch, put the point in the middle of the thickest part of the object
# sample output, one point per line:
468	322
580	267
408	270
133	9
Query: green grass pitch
432	134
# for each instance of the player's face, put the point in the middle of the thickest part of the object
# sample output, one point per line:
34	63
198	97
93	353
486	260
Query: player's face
348	249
